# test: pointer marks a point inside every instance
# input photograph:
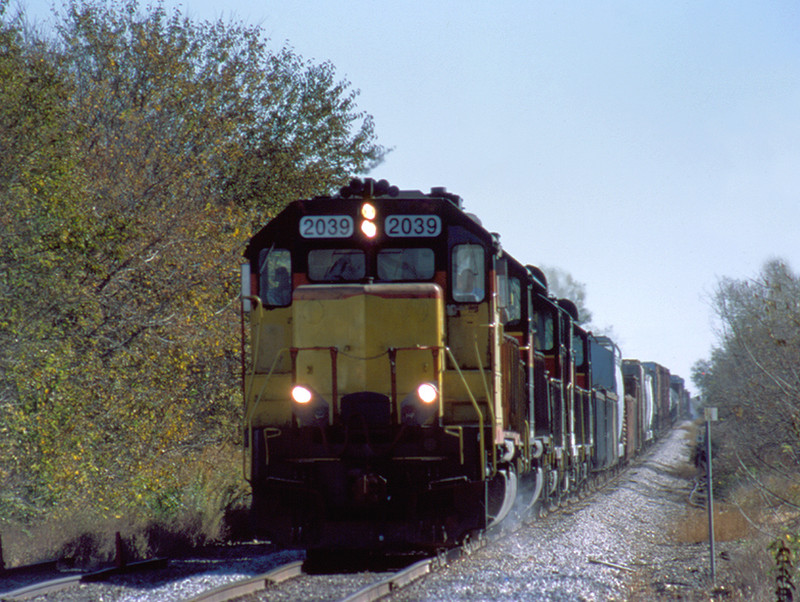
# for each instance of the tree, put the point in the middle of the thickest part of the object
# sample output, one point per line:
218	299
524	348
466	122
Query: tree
561	284
305	133
752	375
151	146
701	375
41	183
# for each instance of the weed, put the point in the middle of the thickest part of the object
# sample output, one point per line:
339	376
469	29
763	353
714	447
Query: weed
785	551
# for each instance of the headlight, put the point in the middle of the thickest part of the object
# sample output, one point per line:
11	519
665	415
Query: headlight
420	405
301	395
369	229
309	408
427	393
368	211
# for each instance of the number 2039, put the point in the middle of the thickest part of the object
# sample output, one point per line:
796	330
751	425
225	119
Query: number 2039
413	225
326	226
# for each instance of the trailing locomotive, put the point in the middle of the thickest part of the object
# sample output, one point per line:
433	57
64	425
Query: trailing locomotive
408	382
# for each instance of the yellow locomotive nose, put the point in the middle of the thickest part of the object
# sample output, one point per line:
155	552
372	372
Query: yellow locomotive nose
380	338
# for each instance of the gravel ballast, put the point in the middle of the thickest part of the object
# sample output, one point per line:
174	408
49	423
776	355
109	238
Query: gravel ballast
615	545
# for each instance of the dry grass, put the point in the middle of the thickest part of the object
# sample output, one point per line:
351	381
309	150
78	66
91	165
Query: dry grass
691	429
78	542
747	519
762	507
744	526
749	509
729	525
685	471
749	569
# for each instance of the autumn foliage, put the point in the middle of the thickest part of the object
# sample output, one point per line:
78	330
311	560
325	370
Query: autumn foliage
752	376
138	150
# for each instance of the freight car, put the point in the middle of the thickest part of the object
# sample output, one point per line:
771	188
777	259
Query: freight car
407	381
640	385
679	405
662	398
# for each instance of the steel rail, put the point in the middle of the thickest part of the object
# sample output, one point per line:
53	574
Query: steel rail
61	583
251	585
40	589
393	582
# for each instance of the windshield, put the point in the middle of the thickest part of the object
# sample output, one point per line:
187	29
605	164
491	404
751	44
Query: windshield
336	265
405	264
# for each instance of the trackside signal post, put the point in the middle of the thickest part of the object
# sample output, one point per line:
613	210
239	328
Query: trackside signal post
710	416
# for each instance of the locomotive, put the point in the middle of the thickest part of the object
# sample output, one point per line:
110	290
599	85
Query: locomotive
408	382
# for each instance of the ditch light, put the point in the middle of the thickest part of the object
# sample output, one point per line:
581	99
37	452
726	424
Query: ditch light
309	408
420	405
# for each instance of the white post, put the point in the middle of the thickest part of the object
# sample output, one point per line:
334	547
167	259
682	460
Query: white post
710	416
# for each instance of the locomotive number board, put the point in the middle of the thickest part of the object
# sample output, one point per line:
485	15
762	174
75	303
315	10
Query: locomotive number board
397	226
326	226
413	225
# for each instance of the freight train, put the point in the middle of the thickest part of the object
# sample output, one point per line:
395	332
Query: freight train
407	382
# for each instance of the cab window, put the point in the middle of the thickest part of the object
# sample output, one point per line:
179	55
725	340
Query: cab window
336	265
275	276
510	292
469	275
405	264
544	331
577	350
514	299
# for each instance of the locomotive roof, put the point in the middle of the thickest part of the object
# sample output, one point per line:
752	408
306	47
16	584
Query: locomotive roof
438	201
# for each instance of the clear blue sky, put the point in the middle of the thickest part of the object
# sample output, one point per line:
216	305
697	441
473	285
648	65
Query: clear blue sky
648	148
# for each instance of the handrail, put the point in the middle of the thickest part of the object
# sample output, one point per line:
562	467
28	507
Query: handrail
258	307
278	355
481	435
457	431
489	394
526	445
434	349
293	351
489	401
248	417
334	352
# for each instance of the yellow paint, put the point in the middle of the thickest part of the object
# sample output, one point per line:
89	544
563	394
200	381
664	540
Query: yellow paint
362	325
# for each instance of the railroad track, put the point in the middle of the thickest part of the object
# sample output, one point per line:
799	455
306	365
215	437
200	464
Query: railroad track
53	585
292	582
288	581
